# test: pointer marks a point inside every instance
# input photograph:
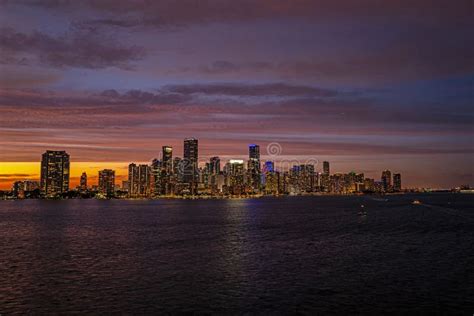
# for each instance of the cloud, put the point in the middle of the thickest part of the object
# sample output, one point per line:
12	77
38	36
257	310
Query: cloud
411	59
270	89
74	49
16	175
125	13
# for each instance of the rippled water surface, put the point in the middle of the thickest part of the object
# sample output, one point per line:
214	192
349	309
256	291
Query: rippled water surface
278	255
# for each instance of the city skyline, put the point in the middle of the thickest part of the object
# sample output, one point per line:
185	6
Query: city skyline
366	85
169	176
28	170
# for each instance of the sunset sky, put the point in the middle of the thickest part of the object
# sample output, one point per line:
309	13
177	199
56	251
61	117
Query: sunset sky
366	85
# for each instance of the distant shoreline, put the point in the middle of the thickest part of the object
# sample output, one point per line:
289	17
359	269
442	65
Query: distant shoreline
248	197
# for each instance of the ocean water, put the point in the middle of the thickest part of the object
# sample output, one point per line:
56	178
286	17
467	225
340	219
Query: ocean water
259	256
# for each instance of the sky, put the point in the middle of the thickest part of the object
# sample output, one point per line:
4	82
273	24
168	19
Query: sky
366	85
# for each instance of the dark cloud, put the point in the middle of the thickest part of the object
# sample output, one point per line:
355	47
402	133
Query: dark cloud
15	175
126	13
128	101
271	89
74	49
418	59
292	108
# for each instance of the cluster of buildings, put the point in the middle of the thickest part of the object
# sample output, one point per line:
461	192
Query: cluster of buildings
188	176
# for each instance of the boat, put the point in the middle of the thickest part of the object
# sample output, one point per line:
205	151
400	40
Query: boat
416	202
362	211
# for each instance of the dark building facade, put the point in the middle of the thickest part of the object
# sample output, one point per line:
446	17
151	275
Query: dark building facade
397	182
386	180
190	164
83	182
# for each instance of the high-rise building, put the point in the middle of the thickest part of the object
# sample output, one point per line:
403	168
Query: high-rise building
254	169
144	180
177	170
236	175
132	180
326	168
325	177
139	180
269	166
107	182
190	157
386	180
54	173
166	170
272	179
156	172
215	165
83	182
397	182
167	160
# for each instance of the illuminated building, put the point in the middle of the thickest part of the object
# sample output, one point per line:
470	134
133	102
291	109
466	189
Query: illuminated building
254	166
397	182
272	180
83	182
139	180
132	180
156	175
144	180
220	182
369	184
386	180
269	166
284	183
167	160
215	165
337	183
325	177
22	188
190	157
236	176
107	182
54	173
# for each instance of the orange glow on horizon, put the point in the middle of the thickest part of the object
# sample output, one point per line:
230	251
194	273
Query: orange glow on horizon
16	171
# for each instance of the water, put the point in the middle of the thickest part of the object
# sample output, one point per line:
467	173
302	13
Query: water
270	255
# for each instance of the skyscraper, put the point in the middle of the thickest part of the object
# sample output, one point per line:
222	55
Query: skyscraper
215	165
144	180
190	157
177	170
167	160
166	170
107	182
269	166
132	180
386	180
326	168
139	180
325	177
54	173
236	175
254	166
397	182
83	182
156	171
